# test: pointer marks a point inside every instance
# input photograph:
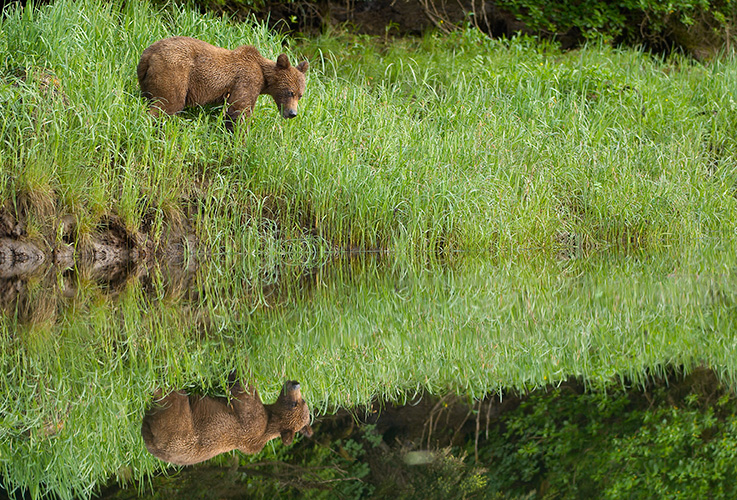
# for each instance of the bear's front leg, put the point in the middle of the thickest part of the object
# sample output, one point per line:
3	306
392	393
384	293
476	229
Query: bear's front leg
233	115
240	105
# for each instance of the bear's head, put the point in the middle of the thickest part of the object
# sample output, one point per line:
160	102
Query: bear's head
290	414
287	85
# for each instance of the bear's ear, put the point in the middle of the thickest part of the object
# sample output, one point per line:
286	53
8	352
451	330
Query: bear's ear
287	437
282	62
303	66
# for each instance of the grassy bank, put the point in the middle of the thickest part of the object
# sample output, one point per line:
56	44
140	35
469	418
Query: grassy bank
453	142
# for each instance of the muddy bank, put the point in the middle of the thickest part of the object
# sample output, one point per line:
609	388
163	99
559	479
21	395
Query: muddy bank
19	257
109	256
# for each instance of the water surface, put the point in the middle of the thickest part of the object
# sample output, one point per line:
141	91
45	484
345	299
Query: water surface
82	358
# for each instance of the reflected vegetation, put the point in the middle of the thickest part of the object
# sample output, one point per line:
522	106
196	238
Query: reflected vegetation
77	377
39	278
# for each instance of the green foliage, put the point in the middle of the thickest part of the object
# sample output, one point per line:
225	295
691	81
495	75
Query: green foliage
634	20
316	470
611	445
559	16
361	466
448	476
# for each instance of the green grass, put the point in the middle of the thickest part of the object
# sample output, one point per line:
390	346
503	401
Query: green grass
470	165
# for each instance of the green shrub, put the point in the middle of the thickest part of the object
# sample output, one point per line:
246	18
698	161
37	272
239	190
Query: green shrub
680	23
609	446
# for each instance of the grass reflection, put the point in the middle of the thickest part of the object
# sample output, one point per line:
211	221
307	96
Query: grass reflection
75	383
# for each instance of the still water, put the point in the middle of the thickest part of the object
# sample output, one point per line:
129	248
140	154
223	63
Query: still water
82	355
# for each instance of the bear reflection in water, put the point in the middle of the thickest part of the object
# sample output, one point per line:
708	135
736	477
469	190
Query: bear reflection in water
186	429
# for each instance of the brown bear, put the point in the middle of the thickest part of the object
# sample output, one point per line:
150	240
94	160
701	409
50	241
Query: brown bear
181	71
186	430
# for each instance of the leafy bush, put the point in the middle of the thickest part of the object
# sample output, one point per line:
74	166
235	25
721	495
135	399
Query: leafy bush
609	446
680	23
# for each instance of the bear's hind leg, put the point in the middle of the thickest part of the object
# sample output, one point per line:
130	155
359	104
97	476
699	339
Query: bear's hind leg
174	104
164	97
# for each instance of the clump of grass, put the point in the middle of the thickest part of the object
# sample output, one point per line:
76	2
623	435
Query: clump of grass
502	144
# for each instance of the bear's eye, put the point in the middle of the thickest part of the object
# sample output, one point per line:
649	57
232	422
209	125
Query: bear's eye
294	404
291	94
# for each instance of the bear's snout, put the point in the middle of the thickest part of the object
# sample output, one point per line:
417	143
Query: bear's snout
291	385
289	113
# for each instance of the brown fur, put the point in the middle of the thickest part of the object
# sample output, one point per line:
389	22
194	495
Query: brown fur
181	71
186	430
